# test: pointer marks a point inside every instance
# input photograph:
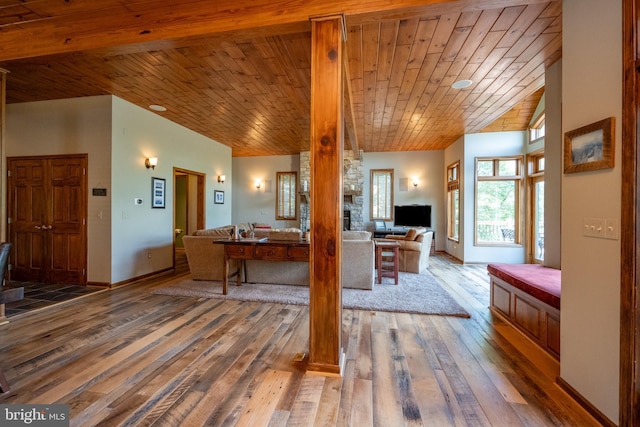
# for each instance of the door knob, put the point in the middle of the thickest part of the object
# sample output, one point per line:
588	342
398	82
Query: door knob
37	227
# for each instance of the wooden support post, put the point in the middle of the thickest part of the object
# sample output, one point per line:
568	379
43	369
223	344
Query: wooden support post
3	153
325	351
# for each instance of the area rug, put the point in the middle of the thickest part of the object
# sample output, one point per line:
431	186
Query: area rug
415	293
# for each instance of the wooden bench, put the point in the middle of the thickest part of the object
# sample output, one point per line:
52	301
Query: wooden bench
528	297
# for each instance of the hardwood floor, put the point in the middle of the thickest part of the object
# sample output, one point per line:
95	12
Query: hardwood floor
128	357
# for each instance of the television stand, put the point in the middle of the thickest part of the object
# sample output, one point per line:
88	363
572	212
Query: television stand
399	230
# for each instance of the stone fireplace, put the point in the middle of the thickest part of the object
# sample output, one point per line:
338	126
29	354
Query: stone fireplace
353	183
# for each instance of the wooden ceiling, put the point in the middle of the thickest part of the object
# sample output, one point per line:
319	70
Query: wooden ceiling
250	89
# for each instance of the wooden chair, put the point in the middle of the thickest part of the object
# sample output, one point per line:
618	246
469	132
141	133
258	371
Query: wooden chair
7	295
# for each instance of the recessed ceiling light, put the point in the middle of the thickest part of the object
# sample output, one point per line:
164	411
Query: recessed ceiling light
461	84
155	107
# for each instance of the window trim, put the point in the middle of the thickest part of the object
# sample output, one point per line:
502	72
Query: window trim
453	184
519	179
534	174
390	200
292	195
535	127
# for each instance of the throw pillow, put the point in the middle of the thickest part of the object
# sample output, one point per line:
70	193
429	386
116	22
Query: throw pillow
411	234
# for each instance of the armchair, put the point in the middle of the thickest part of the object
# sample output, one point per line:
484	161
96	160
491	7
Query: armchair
414	251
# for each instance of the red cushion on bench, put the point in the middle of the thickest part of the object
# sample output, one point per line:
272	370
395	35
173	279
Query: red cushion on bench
542	283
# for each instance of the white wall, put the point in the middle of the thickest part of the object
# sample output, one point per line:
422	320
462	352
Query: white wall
251	204
553	166
488	144
138	231
428	167
591	91
72	126
455	153
118	136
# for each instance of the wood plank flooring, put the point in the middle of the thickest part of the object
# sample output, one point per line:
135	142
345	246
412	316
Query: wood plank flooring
127	357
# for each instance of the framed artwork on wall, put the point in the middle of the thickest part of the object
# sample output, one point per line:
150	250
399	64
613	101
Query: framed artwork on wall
158	193
590	147
218	197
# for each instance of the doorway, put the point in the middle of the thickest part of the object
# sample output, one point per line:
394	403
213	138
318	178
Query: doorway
47	210
188	205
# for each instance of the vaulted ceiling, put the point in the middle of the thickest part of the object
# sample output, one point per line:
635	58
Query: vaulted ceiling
250	88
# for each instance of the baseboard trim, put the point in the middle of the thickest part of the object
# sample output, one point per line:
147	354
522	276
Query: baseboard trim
595	412
453	257
99	284
144	276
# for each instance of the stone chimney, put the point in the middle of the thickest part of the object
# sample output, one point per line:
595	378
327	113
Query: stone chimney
353	185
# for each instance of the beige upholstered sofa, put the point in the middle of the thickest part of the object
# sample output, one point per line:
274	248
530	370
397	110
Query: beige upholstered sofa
205	259
414	249
358	260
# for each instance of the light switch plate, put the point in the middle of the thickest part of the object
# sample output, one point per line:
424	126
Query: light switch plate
612	230
594	227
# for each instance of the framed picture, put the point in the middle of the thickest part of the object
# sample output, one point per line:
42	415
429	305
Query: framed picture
218	197
158	193
590	147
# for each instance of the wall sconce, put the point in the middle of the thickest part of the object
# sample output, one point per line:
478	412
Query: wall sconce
258	184
221	179
151	162
414	181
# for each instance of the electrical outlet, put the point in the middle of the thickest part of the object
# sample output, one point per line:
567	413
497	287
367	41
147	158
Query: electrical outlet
149	255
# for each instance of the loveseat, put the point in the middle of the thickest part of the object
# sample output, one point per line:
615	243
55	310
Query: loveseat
205	259
414	251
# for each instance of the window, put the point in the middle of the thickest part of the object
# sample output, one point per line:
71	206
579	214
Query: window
453	201
286	200
537	129
382	194
536	207
499	183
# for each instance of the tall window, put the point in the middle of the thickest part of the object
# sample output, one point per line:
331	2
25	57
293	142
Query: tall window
382	194
453	201
286	200
537	128
536	206
499	183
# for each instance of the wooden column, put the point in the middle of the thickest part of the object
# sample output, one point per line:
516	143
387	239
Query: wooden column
325	323
3	175
3	154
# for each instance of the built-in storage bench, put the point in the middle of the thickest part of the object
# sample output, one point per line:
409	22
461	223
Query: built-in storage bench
528	297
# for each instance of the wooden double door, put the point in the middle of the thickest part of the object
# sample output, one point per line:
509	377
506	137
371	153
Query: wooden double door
47	205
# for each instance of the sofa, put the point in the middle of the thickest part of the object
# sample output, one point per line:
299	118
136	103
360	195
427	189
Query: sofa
414	250
358	260
205	258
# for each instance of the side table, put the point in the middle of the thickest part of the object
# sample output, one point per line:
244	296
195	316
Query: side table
387	253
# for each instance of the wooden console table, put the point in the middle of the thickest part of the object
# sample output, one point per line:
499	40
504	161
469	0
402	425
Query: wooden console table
263	249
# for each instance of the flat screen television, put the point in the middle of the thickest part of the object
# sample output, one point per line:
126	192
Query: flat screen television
412	216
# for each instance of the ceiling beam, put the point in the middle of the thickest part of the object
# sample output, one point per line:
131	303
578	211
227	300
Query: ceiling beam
349	113
79	26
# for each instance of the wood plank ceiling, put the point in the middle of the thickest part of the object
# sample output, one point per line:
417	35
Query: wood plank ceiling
251	91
